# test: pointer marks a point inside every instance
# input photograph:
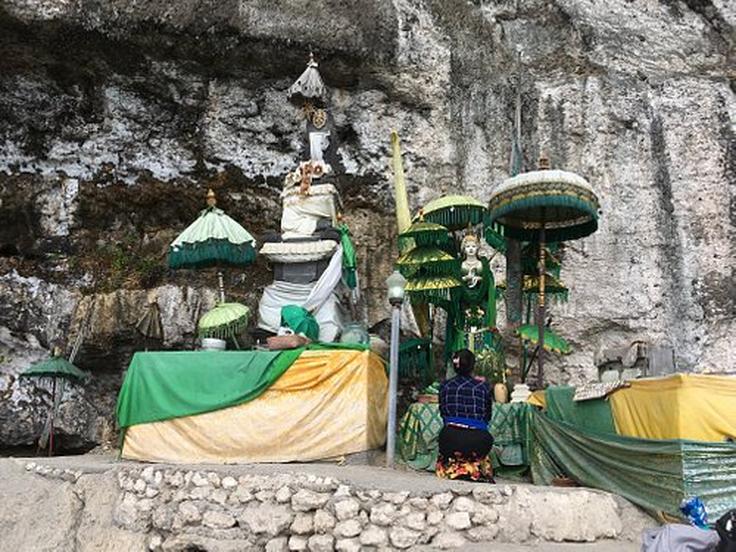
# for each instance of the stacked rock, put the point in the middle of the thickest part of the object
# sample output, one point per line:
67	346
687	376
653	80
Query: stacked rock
307	256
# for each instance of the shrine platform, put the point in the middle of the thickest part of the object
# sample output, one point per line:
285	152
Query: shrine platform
253	406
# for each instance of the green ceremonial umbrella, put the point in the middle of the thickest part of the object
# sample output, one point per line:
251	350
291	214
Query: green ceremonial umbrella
214	239
455	212
540	206
55	368
224	321
425	233
552	341
426	261
300	321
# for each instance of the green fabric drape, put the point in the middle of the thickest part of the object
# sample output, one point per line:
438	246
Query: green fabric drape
656	475
593	415
164	385
349	259
300	321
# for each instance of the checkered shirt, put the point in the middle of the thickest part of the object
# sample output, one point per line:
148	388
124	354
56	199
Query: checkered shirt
465	397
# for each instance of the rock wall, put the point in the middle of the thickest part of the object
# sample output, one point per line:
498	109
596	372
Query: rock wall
170	509
116	116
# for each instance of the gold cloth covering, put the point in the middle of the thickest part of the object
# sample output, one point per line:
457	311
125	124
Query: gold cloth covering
683	406
327	404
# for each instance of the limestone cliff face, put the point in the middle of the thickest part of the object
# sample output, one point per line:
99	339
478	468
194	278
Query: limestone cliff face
116	116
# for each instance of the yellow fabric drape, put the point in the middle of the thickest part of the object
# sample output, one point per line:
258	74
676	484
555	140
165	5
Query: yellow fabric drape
683	406
327	404
537	398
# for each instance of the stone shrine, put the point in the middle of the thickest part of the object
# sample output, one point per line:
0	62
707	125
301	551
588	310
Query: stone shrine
307	256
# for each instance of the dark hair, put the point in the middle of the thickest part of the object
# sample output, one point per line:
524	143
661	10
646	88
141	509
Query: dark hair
465	362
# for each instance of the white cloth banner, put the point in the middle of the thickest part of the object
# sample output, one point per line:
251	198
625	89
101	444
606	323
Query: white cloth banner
319	298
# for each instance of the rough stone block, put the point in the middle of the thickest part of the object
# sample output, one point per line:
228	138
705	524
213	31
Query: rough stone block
458	520
297	543
303	524
416	521
189	513
321	543
324	521
347	545
305	500
373	536
442	500
346	509
463	504
279	544
447	540
482	534
229	483
401	537
269	519
348	528
217	520
383	514
484	515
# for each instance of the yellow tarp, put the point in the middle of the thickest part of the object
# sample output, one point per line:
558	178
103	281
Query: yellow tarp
327	404
683	406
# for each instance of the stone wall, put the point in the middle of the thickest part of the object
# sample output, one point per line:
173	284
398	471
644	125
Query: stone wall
184	509
116	116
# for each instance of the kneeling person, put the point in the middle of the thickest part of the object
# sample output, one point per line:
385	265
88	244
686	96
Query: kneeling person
465	406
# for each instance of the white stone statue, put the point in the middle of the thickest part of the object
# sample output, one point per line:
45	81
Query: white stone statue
472	267
318	144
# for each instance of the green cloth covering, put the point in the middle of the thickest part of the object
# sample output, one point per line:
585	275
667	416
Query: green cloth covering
300	320
414	360
654	474
593	415
349	260
420	427
164	385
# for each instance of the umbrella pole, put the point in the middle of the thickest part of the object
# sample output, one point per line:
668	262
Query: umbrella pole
540	312
53	412
221	285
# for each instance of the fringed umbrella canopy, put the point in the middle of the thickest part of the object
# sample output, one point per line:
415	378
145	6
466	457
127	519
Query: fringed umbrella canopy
426	233
226	320
544	206
432	289
560	201
455	212
552	341
214	239
55	367
309	87
149	325
425	261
